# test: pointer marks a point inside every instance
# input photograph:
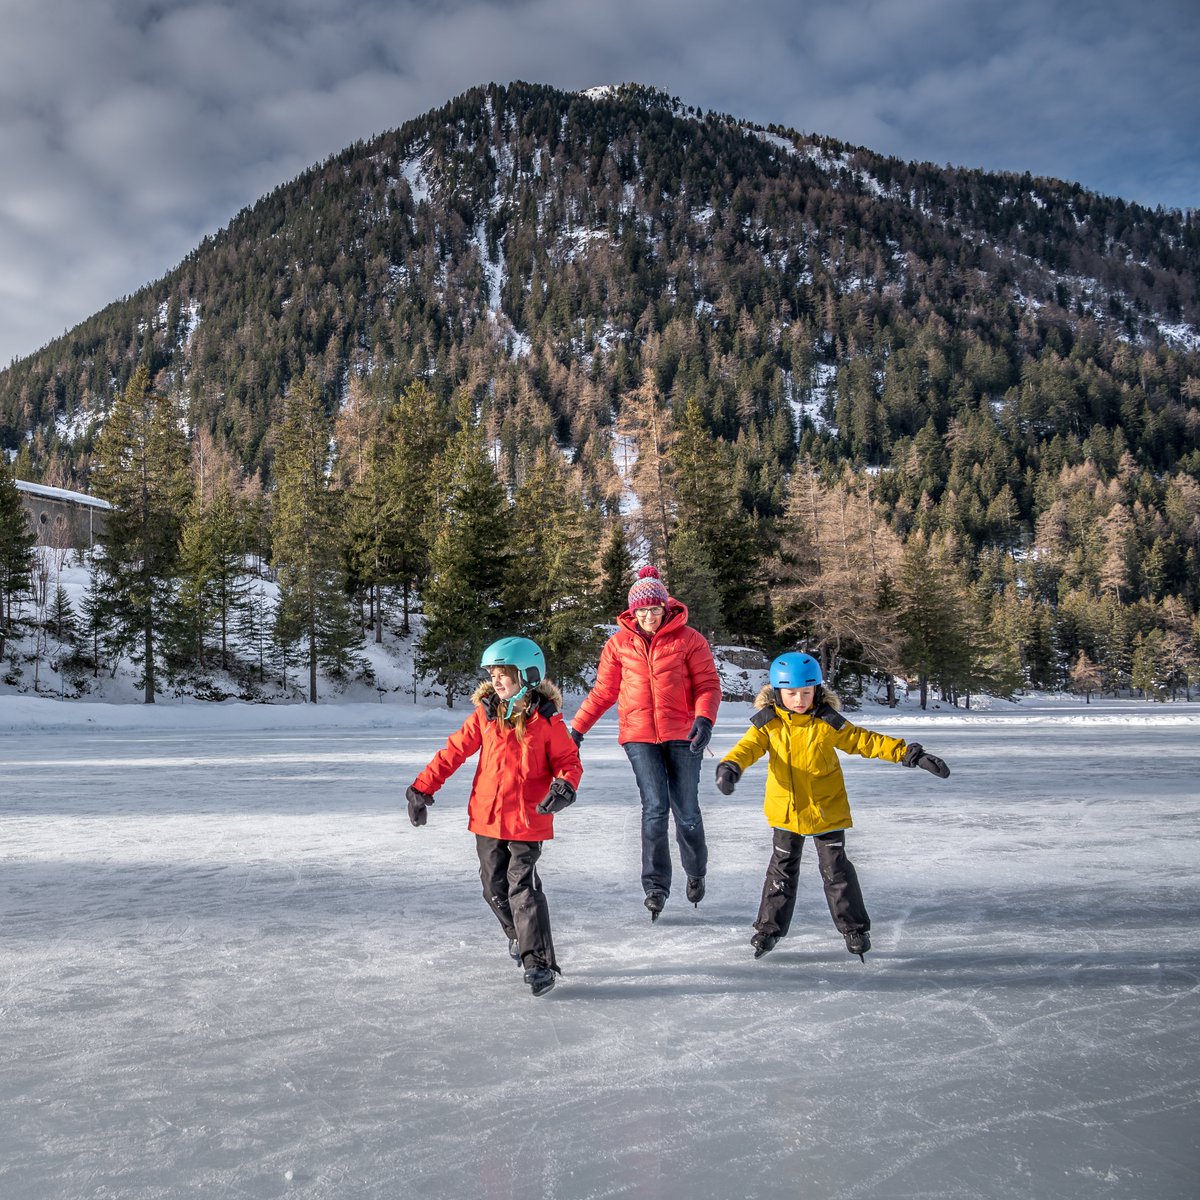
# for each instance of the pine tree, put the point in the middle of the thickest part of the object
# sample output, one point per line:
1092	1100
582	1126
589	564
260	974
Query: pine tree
212	552
930	614
551	593
362	455
616	574
141	468
1144	674
693	581
469	566
16	550
313	607
412	488
726	549
60	619
836	564
647	427
1085	677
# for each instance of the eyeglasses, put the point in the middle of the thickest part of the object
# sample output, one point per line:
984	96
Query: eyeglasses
655	610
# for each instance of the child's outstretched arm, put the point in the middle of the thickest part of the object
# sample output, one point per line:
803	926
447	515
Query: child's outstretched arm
915	755
458	748
750	747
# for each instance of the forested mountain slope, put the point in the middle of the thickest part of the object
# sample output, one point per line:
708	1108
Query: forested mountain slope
766	338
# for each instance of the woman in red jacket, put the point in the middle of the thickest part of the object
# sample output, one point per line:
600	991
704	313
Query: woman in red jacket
528	770
660	674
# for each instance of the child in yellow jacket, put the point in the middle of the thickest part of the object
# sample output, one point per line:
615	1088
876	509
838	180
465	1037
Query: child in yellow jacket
801	730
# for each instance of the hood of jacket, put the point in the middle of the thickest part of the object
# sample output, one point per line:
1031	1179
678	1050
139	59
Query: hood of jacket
547	697
766	699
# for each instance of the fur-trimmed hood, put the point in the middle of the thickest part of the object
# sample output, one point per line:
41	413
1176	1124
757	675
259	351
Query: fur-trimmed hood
547	697
766	698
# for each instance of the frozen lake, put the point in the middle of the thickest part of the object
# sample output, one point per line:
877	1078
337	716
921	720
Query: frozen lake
229	967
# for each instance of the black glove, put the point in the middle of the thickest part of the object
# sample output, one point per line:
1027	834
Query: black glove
416	806
915	756
700	734
561	794
727	776
576	736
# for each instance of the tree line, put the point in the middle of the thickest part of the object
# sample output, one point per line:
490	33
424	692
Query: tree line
397	501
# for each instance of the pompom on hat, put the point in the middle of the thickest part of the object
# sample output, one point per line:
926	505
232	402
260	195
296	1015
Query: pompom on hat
648	591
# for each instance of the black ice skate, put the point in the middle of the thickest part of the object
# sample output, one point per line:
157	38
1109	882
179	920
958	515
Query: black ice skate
514	950
539	978
695	889
858	942
764	943
655	902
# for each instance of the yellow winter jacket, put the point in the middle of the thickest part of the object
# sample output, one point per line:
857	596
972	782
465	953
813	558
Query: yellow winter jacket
806	791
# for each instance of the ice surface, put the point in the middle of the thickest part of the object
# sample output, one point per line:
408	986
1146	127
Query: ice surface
230	968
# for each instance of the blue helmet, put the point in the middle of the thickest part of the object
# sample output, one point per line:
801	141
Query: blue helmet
519	652
796	670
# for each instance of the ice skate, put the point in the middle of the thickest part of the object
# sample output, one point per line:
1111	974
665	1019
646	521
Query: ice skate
540	979
764	943
858	942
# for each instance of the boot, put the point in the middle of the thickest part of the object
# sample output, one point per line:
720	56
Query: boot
655	902
514	950
540	979
858	942
695	888
764	943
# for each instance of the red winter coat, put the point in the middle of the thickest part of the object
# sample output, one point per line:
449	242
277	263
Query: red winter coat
513	776
659	684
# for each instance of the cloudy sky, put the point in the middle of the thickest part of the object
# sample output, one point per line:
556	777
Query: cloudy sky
129	129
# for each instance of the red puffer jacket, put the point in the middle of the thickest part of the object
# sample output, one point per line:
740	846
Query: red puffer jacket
513	776
660	684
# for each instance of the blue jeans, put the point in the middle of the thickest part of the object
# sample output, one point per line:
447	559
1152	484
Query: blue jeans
668	778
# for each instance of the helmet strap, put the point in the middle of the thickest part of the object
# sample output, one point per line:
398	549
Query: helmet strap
508	712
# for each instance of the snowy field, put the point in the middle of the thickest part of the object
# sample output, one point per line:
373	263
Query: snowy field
230	968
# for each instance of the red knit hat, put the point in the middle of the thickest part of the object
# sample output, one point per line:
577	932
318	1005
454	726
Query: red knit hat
648	590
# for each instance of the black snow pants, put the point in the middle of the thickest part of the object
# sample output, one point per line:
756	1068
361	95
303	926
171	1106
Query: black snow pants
838	875
508	872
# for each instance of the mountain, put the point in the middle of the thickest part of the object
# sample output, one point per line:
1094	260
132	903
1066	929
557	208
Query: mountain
562	242
800	354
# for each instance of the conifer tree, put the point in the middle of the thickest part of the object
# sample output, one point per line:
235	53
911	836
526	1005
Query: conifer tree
930	613
313	607
1085	677
362	454
413	490
60	619
141	468
693	582
16	549
834	574
464	596
551	593
212	551
646	424
616	574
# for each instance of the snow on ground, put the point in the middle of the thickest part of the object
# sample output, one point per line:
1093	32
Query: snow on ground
229	967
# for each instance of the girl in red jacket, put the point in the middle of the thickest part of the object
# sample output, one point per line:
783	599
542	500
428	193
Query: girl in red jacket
660	674
528	769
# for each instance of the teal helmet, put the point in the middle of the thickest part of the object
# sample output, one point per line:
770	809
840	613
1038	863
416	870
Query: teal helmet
796	670
520	653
